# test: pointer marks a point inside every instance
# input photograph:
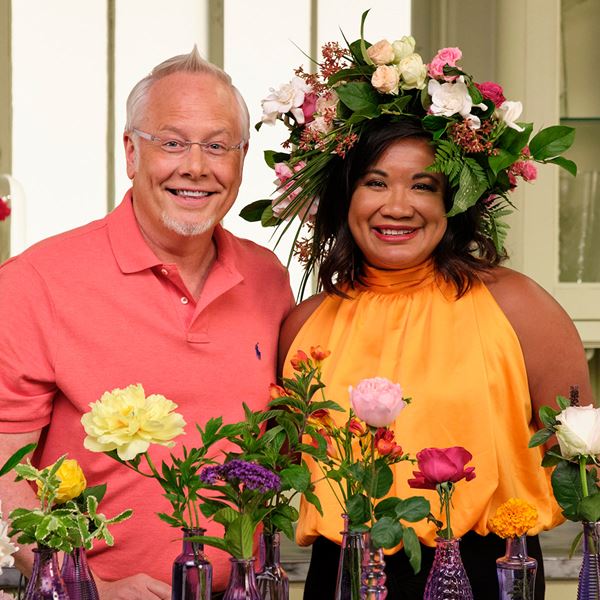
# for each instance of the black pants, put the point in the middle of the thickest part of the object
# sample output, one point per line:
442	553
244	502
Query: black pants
478	554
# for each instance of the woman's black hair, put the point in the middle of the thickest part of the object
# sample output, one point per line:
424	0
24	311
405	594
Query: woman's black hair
462	253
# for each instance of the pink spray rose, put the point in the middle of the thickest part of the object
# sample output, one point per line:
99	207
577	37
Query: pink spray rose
445	56
284	174
439	465
491	91
309	106
377	401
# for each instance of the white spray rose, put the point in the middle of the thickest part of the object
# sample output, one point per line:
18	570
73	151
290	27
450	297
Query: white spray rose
509	112
381	53
386	79
451	98
579	431
403	47
7	548
412	72
288	98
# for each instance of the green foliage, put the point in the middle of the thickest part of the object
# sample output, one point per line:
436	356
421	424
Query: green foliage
16	458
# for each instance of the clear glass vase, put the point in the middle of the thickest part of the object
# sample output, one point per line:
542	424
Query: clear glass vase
516	571
373	573
46	582
348	581
272	580
77	576
447	579
588	587
191	576
242	581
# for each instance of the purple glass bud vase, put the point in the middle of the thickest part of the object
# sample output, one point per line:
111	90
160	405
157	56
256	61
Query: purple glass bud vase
77	576
191	576
516	571
46	582
589	577
272	580
373	574
242	580
447	579
349	567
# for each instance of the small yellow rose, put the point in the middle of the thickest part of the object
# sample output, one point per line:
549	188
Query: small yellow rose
386	79
381	53
72	481
126	421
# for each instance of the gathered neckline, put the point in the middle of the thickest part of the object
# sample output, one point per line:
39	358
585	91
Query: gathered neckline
408	280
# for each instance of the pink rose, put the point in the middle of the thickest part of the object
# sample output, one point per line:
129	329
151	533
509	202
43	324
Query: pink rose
4	209
309	106
439	465
445	56
491	91
377	401
528	171
284	174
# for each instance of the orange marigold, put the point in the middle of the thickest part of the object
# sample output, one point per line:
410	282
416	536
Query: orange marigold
513	518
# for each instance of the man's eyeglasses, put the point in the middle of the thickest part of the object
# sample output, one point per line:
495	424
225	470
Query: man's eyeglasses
176	146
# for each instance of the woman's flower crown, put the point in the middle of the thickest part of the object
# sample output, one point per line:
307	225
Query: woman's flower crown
479	144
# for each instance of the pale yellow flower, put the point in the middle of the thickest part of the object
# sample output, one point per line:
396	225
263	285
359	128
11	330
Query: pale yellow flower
72	481
513	518
126	421
7	548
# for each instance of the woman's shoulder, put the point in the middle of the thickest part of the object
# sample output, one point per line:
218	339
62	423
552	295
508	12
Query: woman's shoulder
294	321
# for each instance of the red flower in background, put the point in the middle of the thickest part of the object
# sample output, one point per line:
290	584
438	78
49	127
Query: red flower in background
491	91
4	209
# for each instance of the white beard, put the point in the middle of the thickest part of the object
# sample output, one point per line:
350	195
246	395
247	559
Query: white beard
187	229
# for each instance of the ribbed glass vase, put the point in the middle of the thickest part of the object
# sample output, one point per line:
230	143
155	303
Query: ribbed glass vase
373	574
588	587
272	580
516	571
46	582
191	576
242	580
348	581
447	579
77	576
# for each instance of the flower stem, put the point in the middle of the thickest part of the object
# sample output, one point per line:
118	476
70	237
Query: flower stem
373	476
583	475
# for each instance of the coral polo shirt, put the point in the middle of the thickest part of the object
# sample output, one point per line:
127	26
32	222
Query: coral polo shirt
94	309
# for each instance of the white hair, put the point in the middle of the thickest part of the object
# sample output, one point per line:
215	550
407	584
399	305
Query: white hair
183	63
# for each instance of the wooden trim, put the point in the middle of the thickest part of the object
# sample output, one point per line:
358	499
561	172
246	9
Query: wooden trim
216	33
110	104
5	86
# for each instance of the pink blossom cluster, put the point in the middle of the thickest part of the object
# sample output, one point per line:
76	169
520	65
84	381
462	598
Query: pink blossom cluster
524	169
284	182
445	56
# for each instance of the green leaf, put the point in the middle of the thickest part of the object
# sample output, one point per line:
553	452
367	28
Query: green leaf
551	142
552	457
548	416
540	437
314	500
359	96
253	212
268	219
513	141
358	509
565	163
568	492
412	547
347	74
501	160
386	533
383	479
387	507
413	509
272	157
16	458
26	471
472	184
575	543
589	508
363	45
562	402
297	476
98	491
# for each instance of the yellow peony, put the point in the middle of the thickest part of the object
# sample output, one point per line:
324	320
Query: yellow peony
126	421
513	518
72	481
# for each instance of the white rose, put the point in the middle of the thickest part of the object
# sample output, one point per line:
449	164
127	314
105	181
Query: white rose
386	79
509	112
451	98
381	53
403	47
579	431
412	72
7	548
288	98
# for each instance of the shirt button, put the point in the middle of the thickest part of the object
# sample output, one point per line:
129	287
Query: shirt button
184	300
164	271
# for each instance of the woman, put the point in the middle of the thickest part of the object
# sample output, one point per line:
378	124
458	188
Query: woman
478	347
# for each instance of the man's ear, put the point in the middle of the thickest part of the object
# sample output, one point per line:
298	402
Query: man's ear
130	154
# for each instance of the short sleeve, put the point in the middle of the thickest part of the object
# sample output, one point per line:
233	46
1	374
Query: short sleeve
27	339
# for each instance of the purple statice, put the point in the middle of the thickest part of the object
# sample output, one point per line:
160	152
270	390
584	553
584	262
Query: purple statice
253	476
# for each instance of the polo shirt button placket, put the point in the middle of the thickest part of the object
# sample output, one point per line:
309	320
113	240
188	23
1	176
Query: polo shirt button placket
184	300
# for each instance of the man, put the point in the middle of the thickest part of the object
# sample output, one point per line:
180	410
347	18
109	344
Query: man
156	293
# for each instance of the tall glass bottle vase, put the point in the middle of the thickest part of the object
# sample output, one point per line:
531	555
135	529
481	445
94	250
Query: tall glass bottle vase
373	574
46	582
272	580
589	576
242	580
77	576
516	571
191	577
447	579
348	582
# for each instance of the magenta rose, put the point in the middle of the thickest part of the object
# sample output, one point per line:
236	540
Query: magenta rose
445	56
377	401
491	91
309	106
4	209
439	465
